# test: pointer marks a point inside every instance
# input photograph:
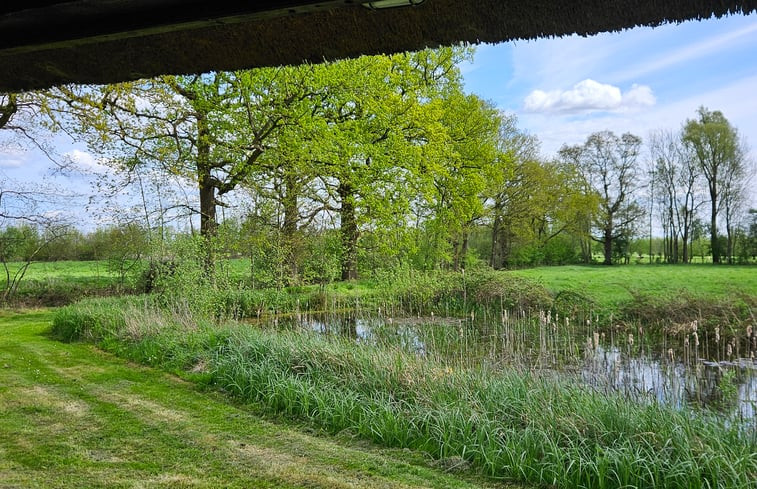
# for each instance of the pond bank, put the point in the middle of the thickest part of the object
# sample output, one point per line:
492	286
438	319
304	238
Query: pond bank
506	423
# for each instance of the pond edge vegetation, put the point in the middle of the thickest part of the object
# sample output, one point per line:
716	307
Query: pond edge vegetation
507	423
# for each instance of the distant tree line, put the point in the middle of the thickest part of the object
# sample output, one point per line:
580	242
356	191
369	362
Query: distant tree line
331	171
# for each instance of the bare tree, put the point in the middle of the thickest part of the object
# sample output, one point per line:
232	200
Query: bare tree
676	177
609	165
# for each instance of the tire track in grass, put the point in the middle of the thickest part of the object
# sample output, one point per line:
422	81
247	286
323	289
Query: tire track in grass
73	416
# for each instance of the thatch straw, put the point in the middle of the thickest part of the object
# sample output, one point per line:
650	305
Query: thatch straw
345	31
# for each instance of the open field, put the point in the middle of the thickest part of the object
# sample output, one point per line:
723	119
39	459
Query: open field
611	286
73	416
608	286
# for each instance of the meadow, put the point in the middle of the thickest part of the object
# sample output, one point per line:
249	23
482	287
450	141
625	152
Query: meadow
613	286
607	287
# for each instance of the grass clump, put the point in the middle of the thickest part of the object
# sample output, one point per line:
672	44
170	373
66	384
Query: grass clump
508	424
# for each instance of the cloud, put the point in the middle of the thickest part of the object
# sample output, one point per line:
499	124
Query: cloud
589	96
10	163
11	156
85	162
723	44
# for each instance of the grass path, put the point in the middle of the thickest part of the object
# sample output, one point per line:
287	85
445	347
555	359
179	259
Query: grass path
73	416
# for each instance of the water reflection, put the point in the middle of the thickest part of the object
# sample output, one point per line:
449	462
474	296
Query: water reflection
670	370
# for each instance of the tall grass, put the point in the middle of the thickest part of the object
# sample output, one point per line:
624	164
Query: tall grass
509	424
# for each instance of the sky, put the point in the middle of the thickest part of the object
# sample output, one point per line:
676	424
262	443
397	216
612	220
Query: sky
562	90
638	80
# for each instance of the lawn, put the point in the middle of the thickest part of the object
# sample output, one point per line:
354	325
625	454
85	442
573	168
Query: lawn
73	416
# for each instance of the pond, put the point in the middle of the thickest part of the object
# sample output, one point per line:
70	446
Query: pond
683	367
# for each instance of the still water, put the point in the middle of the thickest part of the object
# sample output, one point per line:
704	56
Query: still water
685	368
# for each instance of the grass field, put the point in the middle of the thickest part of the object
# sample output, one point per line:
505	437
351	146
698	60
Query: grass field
611	286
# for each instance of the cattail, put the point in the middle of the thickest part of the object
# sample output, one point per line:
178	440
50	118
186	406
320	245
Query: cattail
696	338
670	354
717	334
589	344
729	350
686	342
472	315
596	340
630	339
694	325
749	331
641	330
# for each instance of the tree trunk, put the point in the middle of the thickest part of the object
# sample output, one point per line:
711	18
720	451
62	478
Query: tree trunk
607	242
460	248
496	259
464	248
714	226
289	228
206	185
685	236
348	230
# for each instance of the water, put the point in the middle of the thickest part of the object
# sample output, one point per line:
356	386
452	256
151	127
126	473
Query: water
684	368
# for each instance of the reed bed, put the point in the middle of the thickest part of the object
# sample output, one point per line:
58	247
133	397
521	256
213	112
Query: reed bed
508	423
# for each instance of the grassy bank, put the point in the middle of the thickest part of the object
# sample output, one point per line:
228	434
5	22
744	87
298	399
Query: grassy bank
507	424
73	416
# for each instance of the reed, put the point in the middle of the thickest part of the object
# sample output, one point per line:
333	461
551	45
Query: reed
508	423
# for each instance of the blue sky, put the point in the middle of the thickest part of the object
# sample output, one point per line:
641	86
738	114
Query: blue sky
635	81
563	89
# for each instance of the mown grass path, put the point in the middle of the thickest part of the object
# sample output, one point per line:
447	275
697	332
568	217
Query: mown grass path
73	416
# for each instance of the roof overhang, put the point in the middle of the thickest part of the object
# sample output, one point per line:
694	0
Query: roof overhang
44	43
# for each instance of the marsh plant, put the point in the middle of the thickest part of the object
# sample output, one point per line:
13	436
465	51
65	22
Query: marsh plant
516	423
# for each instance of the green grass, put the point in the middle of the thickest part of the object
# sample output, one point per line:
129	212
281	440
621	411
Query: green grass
63	282
88	270
73	416
613	286
508	424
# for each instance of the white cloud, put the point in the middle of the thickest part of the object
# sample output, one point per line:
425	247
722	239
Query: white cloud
11	156
735	100
85	162
588	96
10	163
722	43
